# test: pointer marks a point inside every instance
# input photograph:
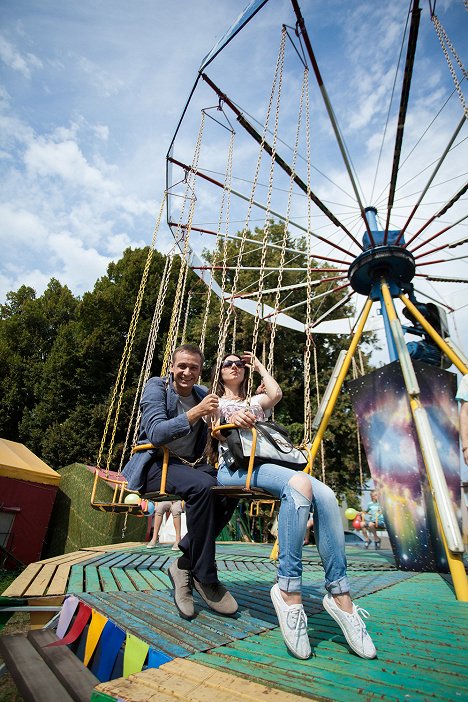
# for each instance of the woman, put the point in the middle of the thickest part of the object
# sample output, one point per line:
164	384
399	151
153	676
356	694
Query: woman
299	494
168	507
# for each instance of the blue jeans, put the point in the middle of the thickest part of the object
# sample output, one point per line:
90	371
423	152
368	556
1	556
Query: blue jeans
292	521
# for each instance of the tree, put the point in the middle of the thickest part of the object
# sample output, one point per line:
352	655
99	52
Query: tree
60	355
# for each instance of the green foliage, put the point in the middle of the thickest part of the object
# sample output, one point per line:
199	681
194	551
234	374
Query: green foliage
59	355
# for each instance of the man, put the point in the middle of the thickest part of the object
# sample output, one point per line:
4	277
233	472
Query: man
172	412
462	395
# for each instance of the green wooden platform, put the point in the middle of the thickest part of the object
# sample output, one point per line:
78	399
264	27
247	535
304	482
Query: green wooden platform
419	628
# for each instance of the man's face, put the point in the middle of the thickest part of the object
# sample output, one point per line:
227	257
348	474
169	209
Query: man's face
186	369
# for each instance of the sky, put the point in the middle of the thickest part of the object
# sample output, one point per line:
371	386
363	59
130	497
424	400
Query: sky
91	94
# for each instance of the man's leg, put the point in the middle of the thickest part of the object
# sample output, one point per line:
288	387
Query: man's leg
198	545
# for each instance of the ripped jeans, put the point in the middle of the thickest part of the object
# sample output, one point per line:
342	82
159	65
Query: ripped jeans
292	521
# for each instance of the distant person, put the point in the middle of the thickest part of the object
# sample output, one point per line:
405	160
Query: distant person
372	520
309	528
168	507
426	349
462	396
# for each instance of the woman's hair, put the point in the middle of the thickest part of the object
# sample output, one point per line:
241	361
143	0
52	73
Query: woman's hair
218	387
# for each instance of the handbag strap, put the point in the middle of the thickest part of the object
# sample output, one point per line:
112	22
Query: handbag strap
262	428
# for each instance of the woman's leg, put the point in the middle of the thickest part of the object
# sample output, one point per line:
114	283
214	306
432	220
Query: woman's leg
294	490
176	509
329	537
156	527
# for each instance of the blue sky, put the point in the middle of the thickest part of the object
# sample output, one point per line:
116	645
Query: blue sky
91	94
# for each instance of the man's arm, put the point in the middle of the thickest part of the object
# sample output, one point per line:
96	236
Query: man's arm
159	428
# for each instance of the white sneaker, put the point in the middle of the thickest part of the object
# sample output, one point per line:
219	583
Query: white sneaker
293	623
352	627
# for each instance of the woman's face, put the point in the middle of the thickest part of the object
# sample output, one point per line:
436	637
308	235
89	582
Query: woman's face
232	370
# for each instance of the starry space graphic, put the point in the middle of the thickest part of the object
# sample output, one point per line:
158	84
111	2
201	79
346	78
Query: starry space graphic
395	461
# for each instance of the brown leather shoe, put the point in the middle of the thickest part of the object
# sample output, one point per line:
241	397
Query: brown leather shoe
182	583
217	597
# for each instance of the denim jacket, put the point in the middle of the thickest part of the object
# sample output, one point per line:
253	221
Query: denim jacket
160	424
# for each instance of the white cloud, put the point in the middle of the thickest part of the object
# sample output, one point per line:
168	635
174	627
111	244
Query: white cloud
64	159
21	63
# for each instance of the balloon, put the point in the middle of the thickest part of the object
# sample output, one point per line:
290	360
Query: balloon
351	513
357	523
147	507
132	499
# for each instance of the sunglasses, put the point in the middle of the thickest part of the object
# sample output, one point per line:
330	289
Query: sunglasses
228	364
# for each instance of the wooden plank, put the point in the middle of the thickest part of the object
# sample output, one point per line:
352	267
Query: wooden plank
39	585
137	579
35	681
58	584
116	547
122	580
70	671
76	580
22	582
92	581
39	619
182	679
107	580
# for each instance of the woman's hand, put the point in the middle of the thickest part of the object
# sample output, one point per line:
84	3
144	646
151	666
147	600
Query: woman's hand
244	419
252	361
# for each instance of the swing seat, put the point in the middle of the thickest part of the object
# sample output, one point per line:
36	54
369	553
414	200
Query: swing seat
245	491
114	479
257	505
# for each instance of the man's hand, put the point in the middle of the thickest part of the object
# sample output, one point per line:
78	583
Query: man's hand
208	406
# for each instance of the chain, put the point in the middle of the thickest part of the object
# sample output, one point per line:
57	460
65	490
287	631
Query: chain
123	368
187	311
285	231
225	203
124	526
308	322
226	319
266	229
176	311
442	35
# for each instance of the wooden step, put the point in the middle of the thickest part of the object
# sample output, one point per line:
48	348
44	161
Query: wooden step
74	676
33	678
44	674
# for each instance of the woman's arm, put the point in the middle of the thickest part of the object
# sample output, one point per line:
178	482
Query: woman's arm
273	393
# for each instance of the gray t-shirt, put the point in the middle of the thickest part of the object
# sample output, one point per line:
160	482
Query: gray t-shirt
185	446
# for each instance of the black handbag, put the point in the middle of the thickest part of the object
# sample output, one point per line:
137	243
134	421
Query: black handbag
274	445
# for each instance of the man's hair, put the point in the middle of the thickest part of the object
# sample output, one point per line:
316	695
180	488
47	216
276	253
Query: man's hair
189	348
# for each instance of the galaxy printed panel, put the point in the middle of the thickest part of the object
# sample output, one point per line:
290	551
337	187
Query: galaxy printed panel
395	461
